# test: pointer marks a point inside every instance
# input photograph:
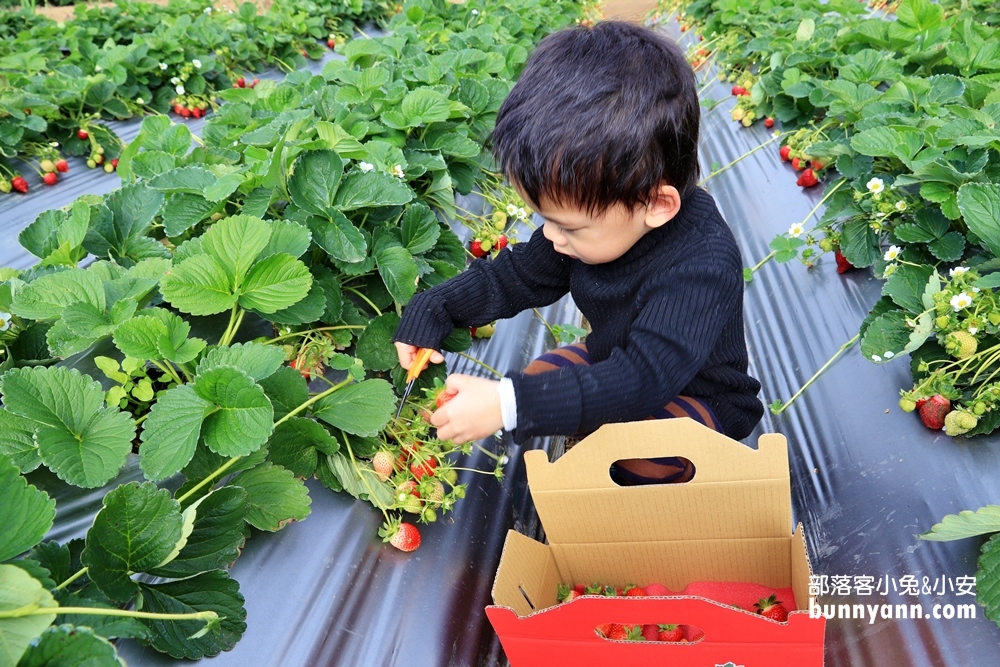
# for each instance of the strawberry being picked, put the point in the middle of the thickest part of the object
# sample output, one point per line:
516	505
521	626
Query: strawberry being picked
771	608
933	411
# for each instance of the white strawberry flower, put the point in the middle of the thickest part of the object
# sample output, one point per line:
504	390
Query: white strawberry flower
901	206
892	253
973	330
961	301
521	213
174	80
796	230
196	63
876	185
397	171
365	166
208	10
475	12
180	90
139	100
163	65
511	209
975	290
957	271
4	321
98	68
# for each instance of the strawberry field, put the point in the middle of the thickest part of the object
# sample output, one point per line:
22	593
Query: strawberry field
213	220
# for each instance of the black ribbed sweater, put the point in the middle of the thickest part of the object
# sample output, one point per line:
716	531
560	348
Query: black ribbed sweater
666	319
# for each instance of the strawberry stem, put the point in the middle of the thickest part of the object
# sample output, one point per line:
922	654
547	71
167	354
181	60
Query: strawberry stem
79	573
745	155
484	365
843	348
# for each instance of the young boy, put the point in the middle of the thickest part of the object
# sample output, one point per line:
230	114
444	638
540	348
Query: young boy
600	137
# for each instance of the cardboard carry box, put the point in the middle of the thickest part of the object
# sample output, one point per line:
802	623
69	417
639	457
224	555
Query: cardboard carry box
731	522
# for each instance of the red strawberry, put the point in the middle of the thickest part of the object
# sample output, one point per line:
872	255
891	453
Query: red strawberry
444	396
617	631
783	152
658	590
423	469
178	108
564	593
807	179
241	82
771	608
114	162
384	463
472	331
185	112
798	164
920	402
82	134
817	165
477	248
696	637
330	43
669	633
769	122
62	165
253	84
933	411
50	178
406	537
843	266
650	632
196	112
409	487
635	592
738	90
501	242
19	184
580	588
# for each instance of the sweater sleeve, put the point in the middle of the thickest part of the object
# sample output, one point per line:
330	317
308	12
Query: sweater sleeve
681	316
526	275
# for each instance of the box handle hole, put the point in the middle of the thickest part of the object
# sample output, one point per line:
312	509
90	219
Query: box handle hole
526	598
661	470
665	633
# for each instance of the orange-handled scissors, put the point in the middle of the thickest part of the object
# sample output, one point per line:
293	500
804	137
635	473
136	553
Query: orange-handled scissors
420	362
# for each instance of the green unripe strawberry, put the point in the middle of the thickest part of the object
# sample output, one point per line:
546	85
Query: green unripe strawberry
412	504
960	344
994	317
746	122
958	422
907	404
738	114
979	408
826	244
47	165
942	321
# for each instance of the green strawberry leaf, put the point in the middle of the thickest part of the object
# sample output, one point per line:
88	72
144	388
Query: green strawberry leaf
339	237
360	480
218	534
294	444
287	237
18	589
209	591
420	228
371	189
192	179
398	271
965	524
28	512
198	286
886	337
275	496
17	441
255	359
55	558
424	106
235	243
46	297
906	286
183	211
375	347
314	181
241	417
287	390
988	578
308	310
81	441
69	645
275	283
136	531
57	232
171	431
361	409
109	627
859	243
980	206
118	226
949	247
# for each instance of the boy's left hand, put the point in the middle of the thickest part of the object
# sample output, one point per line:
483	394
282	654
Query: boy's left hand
474	412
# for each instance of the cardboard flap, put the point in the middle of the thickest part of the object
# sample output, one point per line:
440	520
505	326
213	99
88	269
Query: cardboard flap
736	492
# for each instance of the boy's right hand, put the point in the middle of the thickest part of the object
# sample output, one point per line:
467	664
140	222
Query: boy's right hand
407	353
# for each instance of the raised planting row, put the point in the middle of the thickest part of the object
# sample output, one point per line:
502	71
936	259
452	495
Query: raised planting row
301	223
59	81
899	119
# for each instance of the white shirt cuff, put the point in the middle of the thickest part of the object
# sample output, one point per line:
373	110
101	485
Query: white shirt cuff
508	404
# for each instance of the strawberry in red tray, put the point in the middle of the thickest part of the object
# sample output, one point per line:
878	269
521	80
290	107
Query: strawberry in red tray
565	593
771	608
669	633
635	592
651	632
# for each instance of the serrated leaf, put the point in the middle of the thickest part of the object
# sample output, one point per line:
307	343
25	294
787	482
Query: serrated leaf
55	558
198	286
949	247
109	627
217	537
135	531
398	270
361	409
243	417
965	524
988	579
375	348
906	286
28	513
371	189
274	283
174	345
81	441
419	228
209	591
424	106
47	296
18	589
223	188
183	211
191	179
315	179
235	243
360	480
287	390
255	359
171	431
980	206
129	213
886	337
68	645
287	237
859	243
275	496
17	441
339	237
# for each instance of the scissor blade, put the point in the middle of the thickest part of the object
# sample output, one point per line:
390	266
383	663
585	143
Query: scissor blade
406	394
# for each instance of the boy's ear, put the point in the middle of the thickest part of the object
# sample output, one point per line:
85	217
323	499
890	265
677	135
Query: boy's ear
663	206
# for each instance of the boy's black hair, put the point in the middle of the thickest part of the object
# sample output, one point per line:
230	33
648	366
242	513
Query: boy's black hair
601	116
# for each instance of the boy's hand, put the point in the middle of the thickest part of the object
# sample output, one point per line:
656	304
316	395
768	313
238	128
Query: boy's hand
407	353
474	412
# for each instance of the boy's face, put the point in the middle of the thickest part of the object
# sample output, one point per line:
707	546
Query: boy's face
598	239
